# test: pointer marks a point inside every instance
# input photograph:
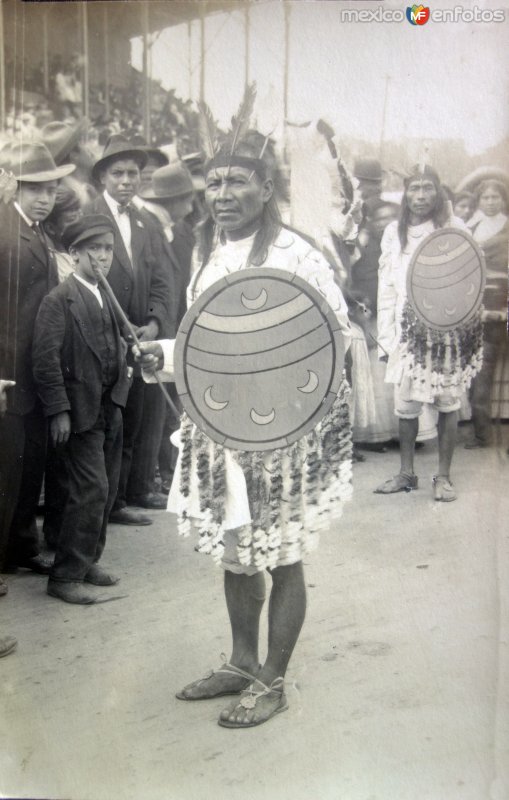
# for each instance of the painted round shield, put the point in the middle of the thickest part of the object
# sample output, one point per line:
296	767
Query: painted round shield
258	359
446	278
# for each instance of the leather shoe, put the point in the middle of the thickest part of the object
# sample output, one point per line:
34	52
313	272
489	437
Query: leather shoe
99	577
155	500
7	645
70	592
126	516
37	564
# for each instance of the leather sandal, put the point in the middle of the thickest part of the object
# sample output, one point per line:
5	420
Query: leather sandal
443	490
400	483
248	700
225	669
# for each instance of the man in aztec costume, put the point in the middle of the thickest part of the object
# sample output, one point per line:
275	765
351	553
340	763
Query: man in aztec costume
255	510
425	365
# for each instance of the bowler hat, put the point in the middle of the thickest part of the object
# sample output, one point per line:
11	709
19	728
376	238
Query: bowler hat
85	228
61	137
169	183
368	169
118	147
33	162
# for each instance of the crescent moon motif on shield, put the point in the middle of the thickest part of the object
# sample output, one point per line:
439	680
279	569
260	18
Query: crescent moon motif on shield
215	405
450	311
443	247
426	304
471	290
262	419
311	385
255	303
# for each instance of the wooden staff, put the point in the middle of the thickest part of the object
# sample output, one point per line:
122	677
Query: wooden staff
122	315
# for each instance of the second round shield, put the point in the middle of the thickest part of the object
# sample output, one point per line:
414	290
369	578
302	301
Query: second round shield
258	359
446	279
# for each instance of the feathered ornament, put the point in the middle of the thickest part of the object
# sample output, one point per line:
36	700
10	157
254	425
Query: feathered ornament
240	122
424	158
208	130
347	189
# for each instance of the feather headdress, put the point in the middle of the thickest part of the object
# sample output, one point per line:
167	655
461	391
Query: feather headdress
242	119
208	130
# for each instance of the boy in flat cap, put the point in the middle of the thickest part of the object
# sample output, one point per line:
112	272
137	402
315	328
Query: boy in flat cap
81	375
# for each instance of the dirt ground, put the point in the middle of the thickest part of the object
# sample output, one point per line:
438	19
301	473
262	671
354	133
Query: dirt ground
398	688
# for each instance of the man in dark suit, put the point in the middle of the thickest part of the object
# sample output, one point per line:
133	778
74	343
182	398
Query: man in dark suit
27	274
81	374
170	201
139	281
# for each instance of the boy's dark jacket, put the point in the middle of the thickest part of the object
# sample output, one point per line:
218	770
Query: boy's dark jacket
66	360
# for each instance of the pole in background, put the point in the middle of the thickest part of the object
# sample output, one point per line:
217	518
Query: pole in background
106	23
286	74
86	97
189	58
247	26
202	52
146	79
2	69
384	117
45	60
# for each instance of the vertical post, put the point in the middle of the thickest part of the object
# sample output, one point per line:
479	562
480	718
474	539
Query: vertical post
202	52
45	61
384	116
189	58
2	69
247	22
86	97
146	80
106	23
287	9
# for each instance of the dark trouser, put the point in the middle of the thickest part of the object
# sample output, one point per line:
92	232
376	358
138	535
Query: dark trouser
494	341
167	451
132	417
22	456
55	494
146	446
93	467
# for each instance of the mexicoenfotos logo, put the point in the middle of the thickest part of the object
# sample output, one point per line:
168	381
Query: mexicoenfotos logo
417	15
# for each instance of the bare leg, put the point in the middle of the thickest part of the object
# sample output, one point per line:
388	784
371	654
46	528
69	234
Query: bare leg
245	595
447	431
408	429
286	615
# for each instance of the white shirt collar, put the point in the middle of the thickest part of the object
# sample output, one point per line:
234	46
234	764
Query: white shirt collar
92	287
112	204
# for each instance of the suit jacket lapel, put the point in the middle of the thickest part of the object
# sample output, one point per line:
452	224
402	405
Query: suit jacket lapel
33	242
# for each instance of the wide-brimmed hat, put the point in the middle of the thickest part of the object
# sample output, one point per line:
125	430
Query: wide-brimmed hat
85	228
32	162
368	169
168	183
61	137
139	141
118	147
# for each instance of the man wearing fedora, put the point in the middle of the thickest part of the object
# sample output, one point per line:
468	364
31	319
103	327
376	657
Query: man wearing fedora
64	140
27	274
139	281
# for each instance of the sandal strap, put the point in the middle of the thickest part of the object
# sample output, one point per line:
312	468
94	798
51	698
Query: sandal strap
231	669
277	686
